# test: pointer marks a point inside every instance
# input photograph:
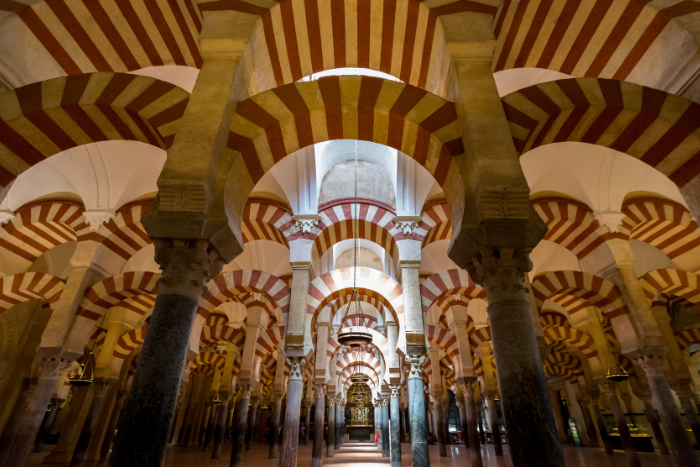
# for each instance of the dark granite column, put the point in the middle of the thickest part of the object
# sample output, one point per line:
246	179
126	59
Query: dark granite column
402	425
252	422
681	447
386	436
307	424
607	445
113	420
480	422
320	406
295	391
47	426
342	424
338	421
493	421
446	421
100	391
439	425
276	402
532	431
220	425
211	423
37	401
610	389
395	416
330	438
588	421
463	420
654	422
407	422
416	402
239	428
378	424
148	410
471	410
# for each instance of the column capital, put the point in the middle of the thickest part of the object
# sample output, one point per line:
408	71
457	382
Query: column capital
244	390
101	387
320	390
682	388
296	365
254	401
51	368
645	398
653	365
187	266
501	271
395	390
415	370
331	402
610	387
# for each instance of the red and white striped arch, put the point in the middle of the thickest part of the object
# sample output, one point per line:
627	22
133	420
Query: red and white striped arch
667	225
121	237
211	359
551	318
578	289
445	283
379	342
676	282
436	216
226	286
344	377
355	356
444	339
648	124
213	334
265	219
132	290
478	336
573	337
688	337
29	286
129	341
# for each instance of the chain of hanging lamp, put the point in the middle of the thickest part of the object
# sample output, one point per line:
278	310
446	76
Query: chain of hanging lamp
83	379
616	372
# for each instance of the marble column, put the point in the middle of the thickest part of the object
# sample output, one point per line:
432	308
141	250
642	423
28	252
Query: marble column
144	425
463	420
610	389
338	422
407	423
468	386
100	392
113	420
396	431
532	431
386	436
607	445
681	447
220	425
330	438
378	424
446	421
252	422
480	422
47	426
416	403
239	429
276	401
342	424
493	421
684	393
439	425
16	419
211	423
320	406
295	391
654	422
402	424
307	424
588	421
37	401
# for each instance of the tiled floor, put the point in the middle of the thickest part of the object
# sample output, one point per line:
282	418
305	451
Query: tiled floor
366	455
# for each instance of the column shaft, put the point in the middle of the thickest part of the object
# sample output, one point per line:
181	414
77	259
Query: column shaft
239	429
290	441
338	430
654	421
211	423
438	424
601	427
330	438
46	428
395	428
386	439
113	420
220	427
402	425
446	424
588	421
621	422
307	424
493	421
16	419
470	406
419	423
274	430
98	400
465	423
317	456
691	416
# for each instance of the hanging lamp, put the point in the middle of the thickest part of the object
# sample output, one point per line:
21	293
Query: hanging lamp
355	337
616	371
358	377
217	400
82	379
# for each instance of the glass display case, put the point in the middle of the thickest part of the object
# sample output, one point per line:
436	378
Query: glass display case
639	427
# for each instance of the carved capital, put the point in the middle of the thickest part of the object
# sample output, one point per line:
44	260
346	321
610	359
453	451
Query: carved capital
244	390
407	224
51	368
609	387
682	388
101	388
296	365
96	219
306	222
501	271
504	202
395	390
653	365
254	401
415	365
187	266
331	402
320	390
180	195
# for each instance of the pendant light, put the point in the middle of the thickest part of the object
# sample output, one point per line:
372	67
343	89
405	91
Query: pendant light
358	377
616	371
83	379
355	338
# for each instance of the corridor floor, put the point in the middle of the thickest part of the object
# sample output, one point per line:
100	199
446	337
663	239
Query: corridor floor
367	455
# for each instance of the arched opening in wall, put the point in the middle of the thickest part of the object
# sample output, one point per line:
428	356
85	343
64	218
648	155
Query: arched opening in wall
515	79
369	255
372	183
350	72
359	413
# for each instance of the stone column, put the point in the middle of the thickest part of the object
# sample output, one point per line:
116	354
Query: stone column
46	428
378	423
588	421
532	430
338	421
295	391
100	391
37	401
377	442
320	406
330	439
610	388
416	403
654	422
463	420
407	424
684	393
220	425
276	401
601	424
386	436
113	420
239	429
493	421
144	426
211	423
252	422
681	447
446	420
307	424
342	424
468	386
438	424
402	424
396	426
16	419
